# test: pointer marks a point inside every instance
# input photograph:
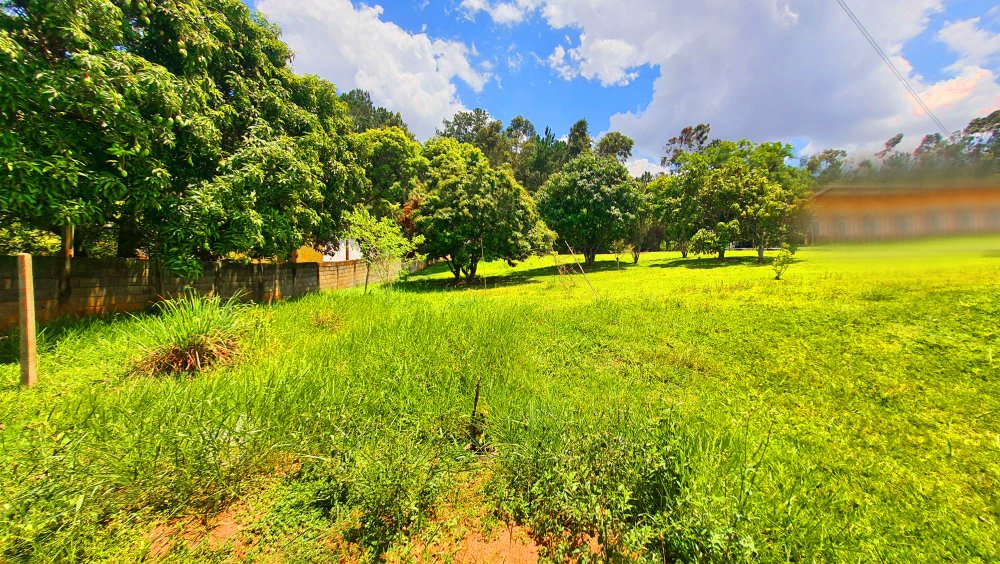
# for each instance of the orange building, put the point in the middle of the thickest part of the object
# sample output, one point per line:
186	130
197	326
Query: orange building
887	211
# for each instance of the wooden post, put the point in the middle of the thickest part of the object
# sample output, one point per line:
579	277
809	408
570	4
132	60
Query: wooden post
26	293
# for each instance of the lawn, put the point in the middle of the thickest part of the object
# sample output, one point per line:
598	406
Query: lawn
678	409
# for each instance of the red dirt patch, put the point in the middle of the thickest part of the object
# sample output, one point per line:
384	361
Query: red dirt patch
213	533
508	546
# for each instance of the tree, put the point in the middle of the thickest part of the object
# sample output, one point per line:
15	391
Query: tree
550	154
591	203
480	130
471	211
644	222
719	203
692	139
615	145
381	240
826	166
579	142
365	115
135	114
393	164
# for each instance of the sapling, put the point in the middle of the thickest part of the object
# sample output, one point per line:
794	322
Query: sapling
781	262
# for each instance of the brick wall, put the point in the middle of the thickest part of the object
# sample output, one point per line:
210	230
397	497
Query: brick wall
99	286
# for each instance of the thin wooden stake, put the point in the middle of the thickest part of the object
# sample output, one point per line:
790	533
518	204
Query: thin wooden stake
26	294
582	271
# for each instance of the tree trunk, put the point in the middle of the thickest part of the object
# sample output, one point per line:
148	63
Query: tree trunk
722	253
473	268
129	238
590	257
635	257
455	269
684	250
368	272
760	253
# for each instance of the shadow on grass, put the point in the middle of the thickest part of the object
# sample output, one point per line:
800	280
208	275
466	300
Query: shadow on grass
705	263
51	334
448	284
515	278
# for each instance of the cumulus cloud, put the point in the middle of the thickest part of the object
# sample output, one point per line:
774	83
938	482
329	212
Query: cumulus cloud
637	167
773	69
354	47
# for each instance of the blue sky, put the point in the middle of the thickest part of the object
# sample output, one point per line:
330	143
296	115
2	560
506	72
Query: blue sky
792	70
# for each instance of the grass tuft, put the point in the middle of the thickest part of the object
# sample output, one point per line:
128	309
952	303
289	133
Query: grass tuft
193	333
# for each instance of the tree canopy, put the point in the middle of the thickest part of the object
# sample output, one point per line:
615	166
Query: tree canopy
471	211
592	202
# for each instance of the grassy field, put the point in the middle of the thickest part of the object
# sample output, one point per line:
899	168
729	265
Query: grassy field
679	410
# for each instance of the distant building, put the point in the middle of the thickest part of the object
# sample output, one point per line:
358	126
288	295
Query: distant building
346	251
887	211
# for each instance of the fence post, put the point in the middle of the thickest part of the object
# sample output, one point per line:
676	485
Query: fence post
26	294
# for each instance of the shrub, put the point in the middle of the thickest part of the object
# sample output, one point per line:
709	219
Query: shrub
781	263
193	333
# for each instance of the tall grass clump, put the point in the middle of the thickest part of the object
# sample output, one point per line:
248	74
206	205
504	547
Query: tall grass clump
192	333
621	488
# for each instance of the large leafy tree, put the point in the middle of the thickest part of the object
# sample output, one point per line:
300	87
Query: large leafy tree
471	211
616	146
167	121
393	163
479	129
592	202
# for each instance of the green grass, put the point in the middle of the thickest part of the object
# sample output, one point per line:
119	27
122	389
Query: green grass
684	409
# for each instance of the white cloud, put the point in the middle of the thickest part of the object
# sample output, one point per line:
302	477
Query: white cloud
502	13
975	46
637	167
773	69
410	73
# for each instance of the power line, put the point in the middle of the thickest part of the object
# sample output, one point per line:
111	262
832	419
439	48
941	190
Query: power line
892	67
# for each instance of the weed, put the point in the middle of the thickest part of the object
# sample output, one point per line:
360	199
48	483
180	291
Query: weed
192	333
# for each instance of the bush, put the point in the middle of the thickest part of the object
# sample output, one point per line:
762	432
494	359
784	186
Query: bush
781	263
193	333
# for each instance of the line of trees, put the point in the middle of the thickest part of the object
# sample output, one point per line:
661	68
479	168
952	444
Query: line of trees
178	131
971	152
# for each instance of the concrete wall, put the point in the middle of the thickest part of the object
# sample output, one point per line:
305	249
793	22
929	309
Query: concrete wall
84	287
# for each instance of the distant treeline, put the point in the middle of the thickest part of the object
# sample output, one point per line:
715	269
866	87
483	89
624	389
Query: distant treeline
971	152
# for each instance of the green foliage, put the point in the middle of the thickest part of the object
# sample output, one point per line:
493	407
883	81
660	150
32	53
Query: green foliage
382	242
366	116
479	129
591	203
192	333
393	165
579	142
615	145
730	418
180	124
16	238
471	211
781	262
728	192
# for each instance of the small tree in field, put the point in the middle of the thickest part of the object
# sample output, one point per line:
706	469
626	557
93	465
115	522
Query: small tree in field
381	240
781	262
620	248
